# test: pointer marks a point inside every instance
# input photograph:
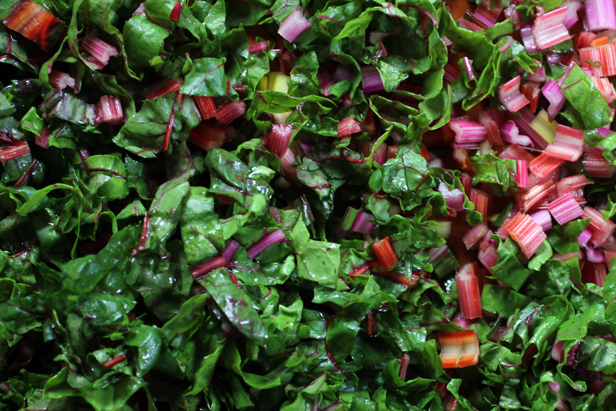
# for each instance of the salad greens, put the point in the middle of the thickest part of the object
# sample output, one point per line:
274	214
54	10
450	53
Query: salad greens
155	257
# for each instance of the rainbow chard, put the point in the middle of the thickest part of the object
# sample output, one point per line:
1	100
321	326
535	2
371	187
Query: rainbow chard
325	206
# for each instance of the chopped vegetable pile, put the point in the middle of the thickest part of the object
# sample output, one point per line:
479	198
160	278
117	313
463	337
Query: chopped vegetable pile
316	205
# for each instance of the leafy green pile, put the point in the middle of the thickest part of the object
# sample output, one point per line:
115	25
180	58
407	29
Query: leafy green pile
99	230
